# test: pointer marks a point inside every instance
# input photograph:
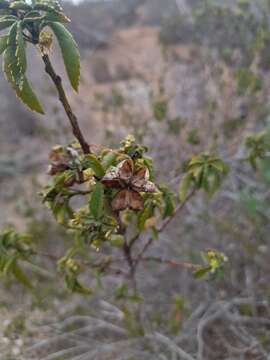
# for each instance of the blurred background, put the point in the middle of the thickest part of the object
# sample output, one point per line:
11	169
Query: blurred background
183	76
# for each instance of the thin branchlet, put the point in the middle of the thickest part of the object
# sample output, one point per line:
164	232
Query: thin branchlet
66	105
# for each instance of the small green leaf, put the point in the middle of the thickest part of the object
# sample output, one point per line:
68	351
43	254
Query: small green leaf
7	266
117	240
73	284
96	204
56	16
92	162
20	5
21	277
48	5
20	50
70	53
62	212
3	43
26	93
109	160
12	62
184	186
198	274
144	214
14	73
32	16
7	21
168	202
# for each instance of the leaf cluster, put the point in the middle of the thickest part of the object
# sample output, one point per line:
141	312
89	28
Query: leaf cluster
28	23
75	174
204	172
258	146
14	249
214	264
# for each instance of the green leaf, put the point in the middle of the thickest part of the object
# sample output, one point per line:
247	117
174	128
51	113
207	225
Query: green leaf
25	93
14	70
184	186
168	202
12	63
218	165
3	43
96	204
49	4
7	21
109	160
56	16
20	50
4	11
8	264
70	53
117	240
201	272
73	284
144	214
92	162
32	16
62	212
21	277
20	5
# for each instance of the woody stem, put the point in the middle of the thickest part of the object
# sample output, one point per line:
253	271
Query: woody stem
66	105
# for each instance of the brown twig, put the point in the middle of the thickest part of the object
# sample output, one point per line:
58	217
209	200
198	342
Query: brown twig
102	265
173	263
63	99
131	264
162	227
179	207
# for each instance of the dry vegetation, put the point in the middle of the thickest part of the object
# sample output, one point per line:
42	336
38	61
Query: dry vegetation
181	83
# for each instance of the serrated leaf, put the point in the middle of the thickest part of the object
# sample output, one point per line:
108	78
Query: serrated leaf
70	53
7	21
92	162
96	204
25	93
3	43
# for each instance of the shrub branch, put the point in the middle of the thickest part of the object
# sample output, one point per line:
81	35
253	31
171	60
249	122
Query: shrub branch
63	99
